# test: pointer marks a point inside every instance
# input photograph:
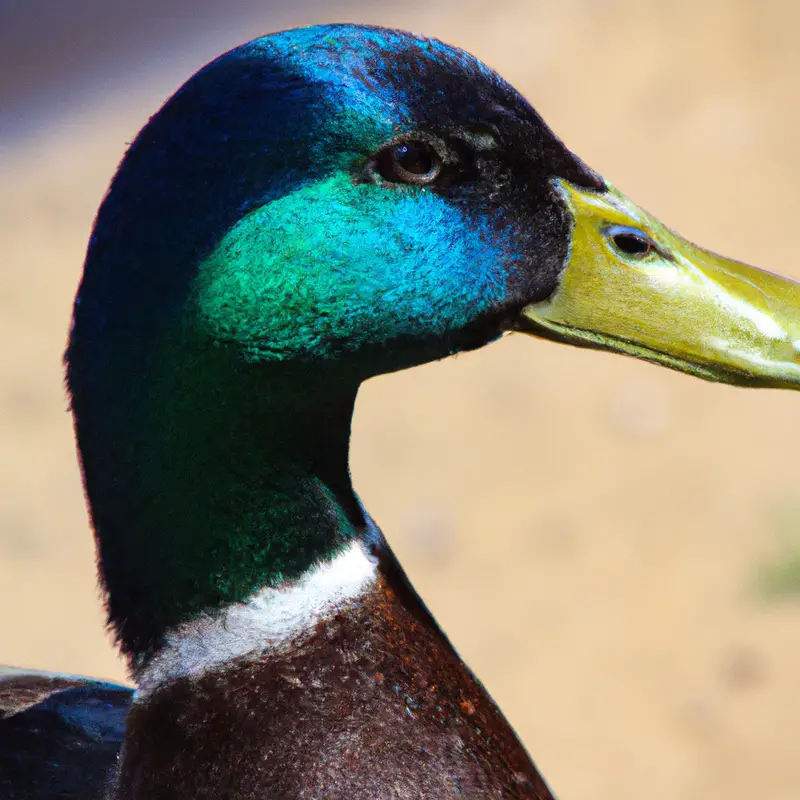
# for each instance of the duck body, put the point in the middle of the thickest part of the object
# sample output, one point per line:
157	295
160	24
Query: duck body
310	210
374	702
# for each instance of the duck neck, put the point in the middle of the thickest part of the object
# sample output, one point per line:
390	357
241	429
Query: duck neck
225	478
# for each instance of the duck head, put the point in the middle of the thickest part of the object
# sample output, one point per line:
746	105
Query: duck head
377	199
317	207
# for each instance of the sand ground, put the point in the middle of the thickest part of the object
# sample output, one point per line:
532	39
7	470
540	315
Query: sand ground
587	528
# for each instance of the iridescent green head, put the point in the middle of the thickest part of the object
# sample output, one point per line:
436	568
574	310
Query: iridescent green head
311	209
334	193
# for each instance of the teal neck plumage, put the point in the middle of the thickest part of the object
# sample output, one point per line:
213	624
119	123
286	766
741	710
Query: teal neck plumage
243	482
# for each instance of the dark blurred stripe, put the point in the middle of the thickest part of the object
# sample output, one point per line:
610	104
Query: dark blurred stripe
53	51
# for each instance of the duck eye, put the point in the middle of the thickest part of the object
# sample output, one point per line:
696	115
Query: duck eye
411	161
631	242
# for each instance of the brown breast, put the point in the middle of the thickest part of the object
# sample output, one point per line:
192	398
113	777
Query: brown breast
375	704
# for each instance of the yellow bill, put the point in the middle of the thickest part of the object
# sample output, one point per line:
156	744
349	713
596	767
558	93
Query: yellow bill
633	286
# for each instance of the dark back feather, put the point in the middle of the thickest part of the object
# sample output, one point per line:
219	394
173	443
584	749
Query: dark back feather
60	735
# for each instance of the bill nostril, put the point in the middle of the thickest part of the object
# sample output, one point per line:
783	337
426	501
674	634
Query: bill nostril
633	245
630	242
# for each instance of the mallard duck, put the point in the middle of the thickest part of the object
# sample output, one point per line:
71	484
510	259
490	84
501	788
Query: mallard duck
312	209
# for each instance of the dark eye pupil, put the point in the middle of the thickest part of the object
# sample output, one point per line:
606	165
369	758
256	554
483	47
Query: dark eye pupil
414	157
632	245
414	162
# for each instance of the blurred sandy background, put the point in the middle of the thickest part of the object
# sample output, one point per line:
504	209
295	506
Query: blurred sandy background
607	543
